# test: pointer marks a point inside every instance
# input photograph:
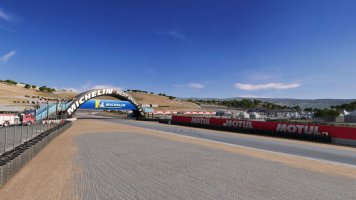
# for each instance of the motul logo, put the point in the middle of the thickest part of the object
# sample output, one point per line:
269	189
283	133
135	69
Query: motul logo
292	128
238	124
200	121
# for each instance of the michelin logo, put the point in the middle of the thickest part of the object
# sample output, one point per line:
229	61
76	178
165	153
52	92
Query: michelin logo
103	104
77	103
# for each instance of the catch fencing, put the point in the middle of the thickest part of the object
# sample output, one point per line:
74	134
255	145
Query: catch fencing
14	159
13	136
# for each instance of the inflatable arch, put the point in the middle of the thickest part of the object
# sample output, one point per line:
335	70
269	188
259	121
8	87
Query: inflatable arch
85	96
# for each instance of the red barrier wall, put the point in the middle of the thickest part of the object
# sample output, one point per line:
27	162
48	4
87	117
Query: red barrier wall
333	131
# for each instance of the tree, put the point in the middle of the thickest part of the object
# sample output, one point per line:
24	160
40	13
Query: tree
190	100
42	88
11	82
27	86
308	109
326	113
297	108
256	102
34	86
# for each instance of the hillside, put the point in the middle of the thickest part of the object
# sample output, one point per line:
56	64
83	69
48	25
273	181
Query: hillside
164	102
20	98
17	98
303	103
308	103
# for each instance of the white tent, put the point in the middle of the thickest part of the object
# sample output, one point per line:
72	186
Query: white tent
344	113
244	115
255	115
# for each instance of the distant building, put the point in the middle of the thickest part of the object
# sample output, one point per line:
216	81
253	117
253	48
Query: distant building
351	117
306	115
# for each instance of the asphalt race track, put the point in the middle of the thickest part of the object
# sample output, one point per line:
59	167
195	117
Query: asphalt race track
304	149
121	159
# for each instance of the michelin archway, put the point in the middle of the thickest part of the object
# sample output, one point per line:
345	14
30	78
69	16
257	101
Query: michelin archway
85	96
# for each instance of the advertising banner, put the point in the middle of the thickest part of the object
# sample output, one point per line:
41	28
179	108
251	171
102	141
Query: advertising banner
107	105
316	129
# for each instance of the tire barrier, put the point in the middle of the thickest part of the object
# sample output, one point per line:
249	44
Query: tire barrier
12	161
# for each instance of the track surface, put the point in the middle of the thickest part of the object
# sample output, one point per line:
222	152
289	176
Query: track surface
97	159
330	153
133	166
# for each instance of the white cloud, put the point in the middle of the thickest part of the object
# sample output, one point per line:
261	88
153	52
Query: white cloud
175	34
106	86
7	56
3	15
276	86
195	86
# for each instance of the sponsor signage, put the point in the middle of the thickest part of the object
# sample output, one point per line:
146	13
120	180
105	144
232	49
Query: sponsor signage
298	128
238	123
333	131
200	120
86	96
107	105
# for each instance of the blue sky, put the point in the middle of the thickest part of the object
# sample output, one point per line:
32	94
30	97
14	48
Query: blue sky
186	48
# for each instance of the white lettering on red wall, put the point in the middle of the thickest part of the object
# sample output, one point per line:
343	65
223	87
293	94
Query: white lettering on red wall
200	121
302	129
238	124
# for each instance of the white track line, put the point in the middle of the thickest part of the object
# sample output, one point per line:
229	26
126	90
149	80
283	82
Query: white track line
256	149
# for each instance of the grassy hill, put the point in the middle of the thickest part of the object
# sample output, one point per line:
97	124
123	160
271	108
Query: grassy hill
308	103
10	93
303	103
21	98
164	102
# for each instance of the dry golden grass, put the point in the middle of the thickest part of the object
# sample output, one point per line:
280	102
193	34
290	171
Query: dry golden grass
11	93
165	102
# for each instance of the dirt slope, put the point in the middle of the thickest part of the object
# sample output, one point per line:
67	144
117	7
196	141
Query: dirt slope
24	98
164	102
9	93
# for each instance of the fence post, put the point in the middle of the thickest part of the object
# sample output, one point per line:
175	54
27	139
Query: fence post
27	133
13	144
21	133
5	139
32	131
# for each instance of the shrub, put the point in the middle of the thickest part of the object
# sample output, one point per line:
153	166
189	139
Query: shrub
11	82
